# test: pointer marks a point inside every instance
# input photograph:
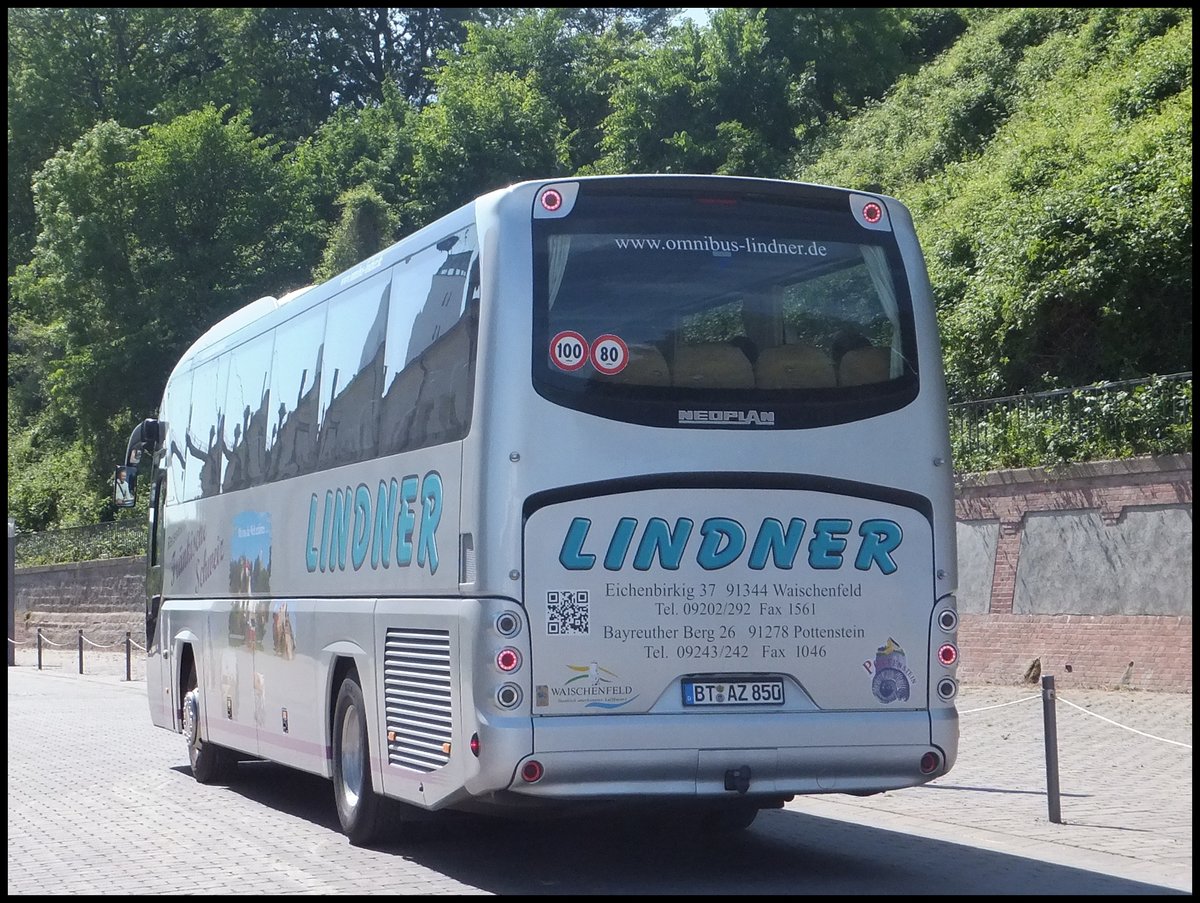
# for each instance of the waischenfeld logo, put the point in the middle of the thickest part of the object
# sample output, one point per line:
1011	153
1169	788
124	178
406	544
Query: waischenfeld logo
724	418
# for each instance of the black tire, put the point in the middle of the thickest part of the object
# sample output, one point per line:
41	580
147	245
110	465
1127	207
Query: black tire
361	811
729	818
211	764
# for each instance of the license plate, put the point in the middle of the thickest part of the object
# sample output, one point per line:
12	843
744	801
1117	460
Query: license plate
732	692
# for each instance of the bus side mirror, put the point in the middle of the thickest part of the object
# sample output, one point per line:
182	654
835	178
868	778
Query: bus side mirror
124	482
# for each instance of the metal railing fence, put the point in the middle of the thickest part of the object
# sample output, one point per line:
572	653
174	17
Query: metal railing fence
116	539
1114	420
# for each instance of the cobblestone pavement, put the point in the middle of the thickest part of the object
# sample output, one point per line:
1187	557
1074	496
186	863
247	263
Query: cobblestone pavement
1125	798
1126	803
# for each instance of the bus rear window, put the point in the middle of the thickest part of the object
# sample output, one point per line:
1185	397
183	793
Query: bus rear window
647	308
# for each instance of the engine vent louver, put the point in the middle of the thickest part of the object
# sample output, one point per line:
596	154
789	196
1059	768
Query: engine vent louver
417	696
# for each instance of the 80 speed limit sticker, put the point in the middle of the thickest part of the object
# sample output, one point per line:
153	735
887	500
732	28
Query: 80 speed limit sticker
568	350
610	354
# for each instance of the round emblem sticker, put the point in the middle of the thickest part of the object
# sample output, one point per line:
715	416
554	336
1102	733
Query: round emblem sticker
610	354
568	350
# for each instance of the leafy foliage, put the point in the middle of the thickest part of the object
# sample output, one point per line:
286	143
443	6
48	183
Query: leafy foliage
487	130
1047	158
39	496
758	86
145	242
357	148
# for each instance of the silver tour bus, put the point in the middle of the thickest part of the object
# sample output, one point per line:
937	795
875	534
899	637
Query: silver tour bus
605	491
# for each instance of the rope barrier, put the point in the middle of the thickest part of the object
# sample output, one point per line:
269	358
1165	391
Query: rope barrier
102	646
1126	727
49	642
999	706
80	640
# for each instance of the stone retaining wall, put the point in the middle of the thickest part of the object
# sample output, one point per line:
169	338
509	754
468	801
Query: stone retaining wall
102	598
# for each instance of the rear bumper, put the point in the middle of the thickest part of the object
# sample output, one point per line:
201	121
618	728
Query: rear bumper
686	756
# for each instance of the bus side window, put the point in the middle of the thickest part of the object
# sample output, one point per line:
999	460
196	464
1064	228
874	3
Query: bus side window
295	381
431	345
352	374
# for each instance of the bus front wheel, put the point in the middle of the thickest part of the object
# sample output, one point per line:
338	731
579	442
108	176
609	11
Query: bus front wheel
360	810
210	763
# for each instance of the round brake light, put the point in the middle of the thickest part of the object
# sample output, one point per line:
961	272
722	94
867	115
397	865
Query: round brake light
551	200
508	659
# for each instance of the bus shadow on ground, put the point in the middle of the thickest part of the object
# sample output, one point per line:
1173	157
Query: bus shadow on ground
784	852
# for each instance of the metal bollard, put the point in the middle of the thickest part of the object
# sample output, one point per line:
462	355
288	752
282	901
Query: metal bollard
80	651
39	649
1051	731
128	656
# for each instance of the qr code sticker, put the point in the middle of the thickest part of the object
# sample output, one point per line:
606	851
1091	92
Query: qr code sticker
566	612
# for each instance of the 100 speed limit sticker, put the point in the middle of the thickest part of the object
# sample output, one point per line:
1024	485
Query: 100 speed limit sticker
569	350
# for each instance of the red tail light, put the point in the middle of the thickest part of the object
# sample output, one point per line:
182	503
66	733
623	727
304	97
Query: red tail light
508	659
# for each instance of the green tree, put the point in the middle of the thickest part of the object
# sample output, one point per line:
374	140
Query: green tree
569	56
485	131
401	46
60	75
744	94
358	147
144	243
65	298
289	69
366	227
658	110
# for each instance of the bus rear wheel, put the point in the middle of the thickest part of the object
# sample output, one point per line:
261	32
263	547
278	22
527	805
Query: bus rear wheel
729	818
360	809
210	763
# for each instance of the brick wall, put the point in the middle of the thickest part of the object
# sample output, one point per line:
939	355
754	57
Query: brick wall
1090	571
